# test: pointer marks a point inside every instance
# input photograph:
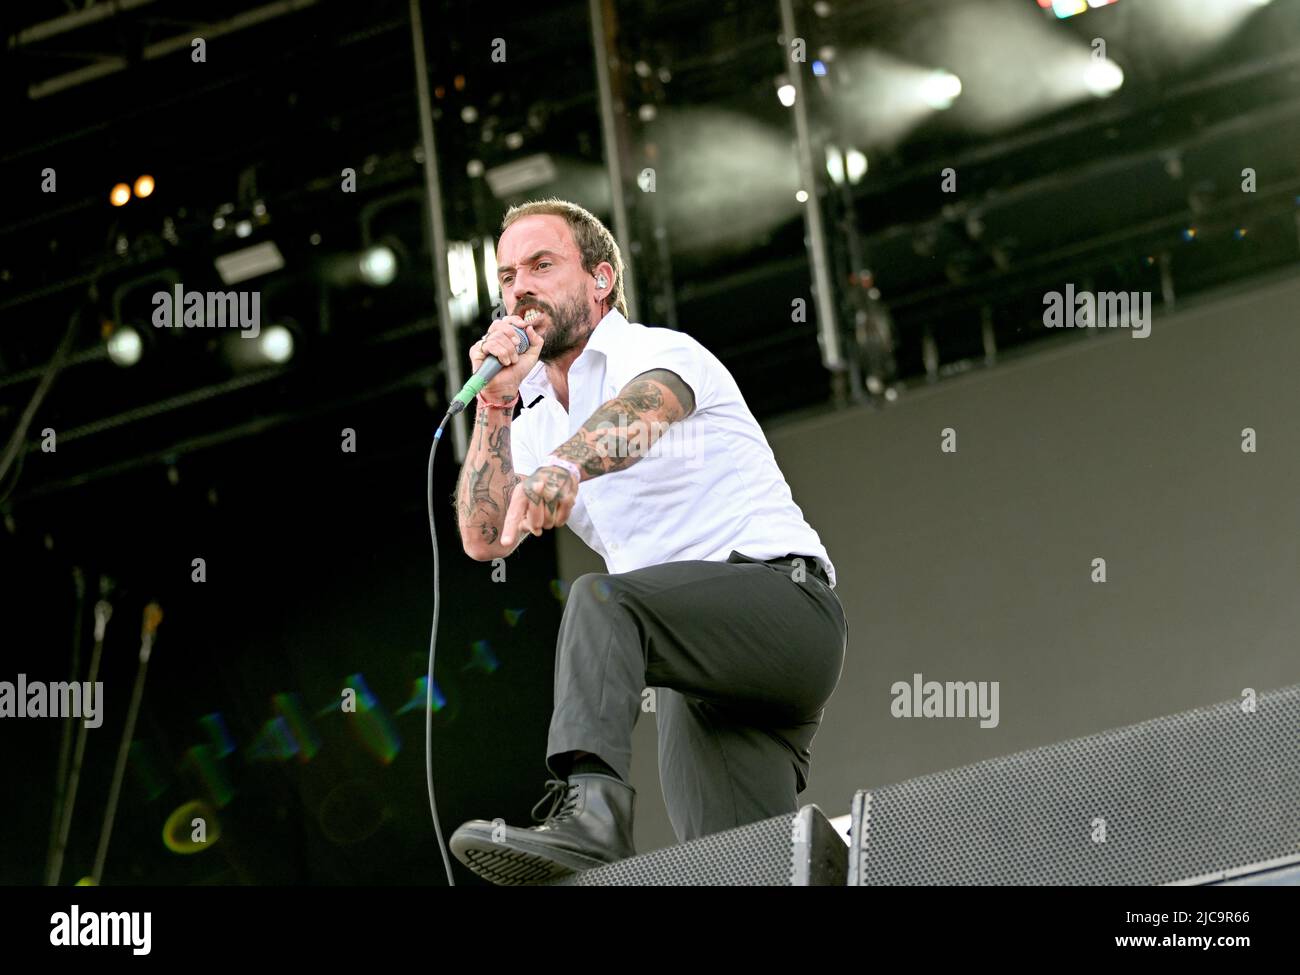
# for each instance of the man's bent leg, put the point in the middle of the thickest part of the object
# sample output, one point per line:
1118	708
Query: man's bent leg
764	650
717	772
599	676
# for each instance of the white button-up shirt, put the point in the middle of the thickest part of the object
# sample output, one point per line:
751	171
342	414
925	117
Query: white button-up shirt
709	485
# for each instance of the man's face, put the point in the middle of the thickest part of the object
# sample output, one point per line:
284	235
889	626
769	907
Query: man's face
540	267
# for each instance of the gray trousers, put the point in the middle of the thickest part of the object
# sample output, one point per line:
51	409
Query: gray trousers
741	659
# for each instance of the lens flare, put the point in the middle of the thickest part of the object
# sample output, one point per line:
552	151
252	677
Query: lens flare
290	708
274	742
219	736
481	657
371	724
181	828
211	773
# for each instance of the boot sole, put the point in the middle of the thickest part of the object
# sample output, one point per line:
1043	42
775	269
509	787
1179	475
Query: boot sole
513	863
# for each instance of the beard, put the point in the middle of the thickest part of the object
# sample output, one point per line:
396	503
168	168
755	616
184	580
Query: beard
569	326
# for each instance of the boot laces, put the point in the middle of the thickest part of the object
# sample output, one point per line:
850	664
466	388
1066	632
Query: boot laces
563	797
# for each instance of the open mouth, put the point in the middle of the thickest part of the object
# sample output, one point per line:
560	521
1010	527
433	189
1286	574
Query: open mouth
532	314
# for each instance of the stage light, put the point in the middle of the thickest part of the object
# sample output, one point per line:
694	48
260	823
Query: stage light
462	277
521	175
1065	8
125	346
884	98
734	177
801	196
119	195
785	92
1189	234
1071	8
855	165
941	89
276	344
378	266
250	262
1103	77
490	269
835	164
144	186
461	273
243	228
819	68
1188	29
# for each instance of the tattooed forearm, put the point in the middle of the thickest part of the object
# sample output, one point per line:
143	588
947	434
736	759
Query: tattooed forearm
480	487
623	430
498	445
486	480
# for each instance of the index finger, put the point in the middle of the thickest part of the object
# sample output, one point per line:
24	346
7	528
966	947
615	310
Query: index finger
514	514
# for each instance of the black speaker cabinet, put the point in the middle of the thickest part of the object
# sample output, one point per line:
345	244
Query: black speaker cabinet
799	850
1201	797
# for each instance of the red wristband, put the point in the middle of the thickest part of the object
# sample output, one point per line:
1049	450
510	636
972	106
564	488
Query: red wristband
499	406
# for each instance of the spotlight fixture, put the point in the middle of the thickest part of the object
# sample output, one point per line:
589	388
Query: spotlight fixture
124	346
1103	77
378	265
1071	8
276	344
940	90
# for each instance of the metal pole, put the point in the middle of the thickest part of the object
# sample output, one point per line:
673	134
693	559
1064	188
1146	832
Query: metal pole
65	746
152	617
613	157
832	357
452	365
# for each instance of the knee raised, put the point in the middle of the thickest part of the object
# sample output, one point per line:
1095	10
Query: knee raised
593	585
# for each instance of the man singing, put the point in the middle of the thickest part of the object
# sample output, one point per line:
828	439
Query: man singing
718	595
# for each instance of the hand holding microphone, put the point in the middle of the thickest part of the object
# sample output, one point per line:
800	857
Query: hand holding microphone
501	361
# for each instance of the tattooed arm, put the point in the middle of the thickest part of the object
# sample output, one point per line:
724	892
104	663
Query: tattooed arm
617	435
623	430
483	492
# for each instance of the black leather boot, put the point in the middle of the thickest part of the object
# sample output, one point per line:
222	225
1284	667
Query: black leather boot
588	825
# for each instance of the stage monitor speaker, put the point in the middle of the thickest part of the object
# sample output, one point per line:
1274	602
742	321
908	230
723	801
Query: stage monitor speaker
798	850
1194	798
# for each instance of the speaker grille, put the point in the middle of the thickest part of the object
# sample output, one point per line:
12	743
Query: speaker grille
1185	797
801	848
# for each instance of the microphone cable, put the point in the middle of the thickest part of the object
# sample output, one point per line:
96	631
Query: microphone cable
489	368
433	641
